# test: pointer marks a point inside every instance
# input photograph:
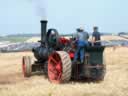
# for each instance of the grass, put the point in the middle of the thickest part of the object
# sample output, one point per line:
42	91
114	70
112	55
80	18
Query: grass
33	39
14	39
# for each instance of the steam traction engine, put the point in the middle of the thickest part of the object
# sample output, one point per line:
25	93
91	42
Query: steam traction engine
55	60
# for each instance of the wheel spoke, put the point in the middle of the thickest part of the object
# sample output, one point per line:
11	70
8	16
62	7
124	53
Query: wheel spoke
53	71
52	59
57	57
58	67
59	76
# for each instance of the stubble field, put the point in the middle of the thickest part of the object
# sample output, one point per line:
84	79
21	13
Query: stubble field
12	82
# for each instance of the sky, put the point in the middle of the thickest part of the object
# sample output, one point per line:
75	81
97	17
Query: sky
21	16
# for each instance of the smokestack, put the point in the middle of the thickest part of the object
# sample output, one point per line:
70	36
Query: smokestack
43	30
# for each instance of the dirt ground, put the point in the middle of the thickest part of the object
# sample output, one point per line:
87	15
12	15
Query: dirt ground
12	82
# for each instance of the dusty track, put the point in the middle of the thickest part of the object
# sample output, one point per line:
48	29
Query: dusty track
12	82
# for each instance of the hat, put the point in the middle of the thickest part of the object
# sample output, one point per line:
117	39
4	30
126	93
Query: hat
95	27
80	29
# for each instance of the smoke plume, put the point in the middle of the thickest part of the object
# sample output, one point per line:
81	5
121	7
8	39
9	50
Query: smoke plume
41	8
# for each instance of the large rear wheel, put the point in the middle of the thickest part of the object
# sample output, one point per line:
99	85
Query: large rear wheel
59	67
26	66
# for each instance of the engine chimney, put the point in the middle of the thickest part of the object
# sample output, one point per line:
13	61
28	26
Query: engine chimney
43	30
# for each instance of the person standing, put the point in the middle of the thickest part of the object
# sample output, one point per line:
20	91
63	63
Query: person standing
96	37
81	41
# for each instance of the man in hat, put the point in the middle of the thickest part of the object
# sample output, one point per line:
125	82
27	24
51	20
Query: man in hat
81	41
96	37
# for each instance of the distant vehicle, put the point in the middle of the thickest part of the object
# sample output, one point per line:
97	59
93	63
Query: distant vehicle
122	33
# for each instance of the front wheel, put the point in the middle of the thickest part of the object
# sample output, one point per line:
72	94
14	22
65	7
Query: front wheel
26	66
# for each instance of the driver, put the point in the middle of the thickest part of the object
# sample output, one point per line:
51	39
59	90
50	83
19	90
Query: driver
81	41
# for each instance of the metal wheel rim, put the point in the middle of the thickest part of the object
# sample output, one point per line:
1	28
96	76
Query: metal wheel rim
55	68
